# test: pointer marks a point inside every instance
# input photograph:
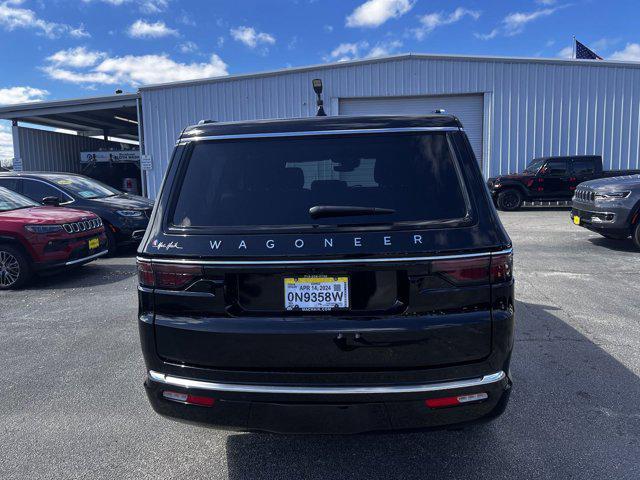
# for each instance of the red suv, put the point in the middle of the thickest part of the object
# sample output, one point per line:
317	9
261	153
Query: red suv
35	238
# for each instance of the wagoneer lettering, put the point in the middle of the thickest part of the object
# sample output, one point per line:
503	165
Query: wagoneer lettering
334	275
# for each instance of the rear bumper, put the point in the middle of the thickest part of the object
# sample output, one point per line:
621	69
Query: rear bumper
315	408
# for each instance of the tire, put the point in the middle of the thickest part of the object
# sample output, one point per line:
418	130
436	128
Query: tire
635	235
509	200
112	245
614	236
15	269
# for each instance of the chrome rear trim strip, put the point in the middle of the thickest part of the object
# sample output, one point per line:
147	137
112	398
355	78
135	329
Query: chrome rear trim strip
323	262
86	259
241	136
316	390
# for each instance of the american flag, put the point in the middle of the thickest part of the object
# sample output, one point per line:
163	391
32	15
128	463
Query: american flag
585	52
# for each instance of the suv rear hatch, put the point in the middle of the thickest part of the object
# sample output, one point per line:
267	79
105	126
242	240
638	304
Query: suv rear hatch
324	253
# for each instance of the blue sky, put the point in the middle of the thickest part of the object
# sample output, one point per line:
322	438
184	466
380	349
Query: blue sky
54	49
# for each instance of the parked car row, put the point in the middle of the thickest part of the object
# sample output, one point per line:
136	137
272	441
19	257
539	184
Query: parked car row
56	220
604	201
549	179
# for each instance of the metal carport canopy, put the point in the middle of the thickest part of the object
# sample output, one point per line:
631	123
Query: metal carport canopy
113	115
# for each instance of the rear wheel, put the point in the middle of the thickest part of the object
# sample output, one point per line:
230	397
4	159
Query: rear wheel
636	235
509	200
14	268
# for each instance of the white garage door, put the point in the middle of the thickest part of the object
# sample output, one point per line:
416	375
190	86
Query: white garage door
468	108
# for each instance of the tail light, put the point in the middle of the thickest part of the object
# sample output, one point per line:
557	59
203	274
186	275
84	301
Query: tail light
501	268
455	401
473	271
466	271
167	276
188	398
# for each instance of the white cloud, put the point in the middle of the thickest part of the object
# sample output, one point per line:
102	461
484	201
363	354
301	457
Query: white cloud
10	96
250	37
13	95
630	53
134	70
488	36
145	6
13	17
188	47
431	21
566	52
514	23
328	28
153	6
346	51
384	49
6	145
79	32
76	57
604	43
374	13
353	51
142	29
546	2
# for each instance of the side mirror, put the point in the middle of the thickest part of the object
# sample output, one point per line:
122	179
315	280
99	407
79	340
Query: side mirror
51	201
544	170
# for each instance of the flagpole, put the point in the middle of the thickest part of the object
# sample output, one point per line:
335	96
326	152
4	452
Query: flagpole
574	47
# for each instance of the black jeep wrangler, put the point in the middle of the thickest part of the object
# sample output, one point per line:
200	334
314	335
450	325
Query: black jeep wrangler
326	274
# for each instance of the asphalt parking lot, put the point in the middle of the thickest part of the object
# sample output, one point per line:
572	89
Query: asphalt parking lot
72	403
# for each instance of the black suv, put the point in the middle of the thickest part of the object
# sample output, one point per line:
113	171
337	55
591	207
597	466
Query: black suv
333	275
125	216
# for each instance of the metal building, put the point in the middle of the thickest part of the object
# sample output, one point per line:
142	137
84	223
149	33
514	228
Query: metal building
513	109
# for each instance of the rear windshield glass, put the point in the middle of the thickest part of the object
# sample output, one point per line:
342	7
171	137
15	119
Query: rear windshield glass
275	182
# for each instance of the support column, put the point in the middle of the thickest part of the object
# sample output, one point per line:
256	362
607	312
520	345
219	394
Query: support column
17	157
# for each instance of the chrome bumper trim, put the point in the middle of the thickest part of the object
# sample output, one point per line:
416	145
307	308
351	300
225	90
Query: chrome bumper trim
351	390
323	262
594	214
86	259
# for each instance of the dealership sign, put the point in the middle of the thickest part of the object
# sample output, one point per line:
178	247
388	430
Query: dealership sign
113	156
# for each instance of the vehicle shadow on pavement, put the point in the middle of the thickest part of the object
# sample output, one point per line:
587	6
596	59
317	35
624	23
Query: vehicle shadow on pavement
574	413
617	245
96	273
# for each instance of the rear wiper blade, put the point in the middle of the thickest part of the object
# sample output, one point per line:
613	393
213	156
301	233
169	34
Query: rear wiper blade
322	211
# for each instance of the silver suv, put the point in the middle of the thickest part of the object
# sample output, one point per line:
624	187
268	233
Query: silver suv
609	206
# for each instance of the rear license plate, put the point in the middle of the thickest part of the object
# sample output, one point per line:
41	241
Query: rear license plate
94	243
576	220
311	293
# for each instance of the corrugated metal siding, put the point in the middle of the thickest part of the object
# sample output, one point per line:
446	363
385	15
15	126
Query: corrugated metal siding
534	108
468	108
44	150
